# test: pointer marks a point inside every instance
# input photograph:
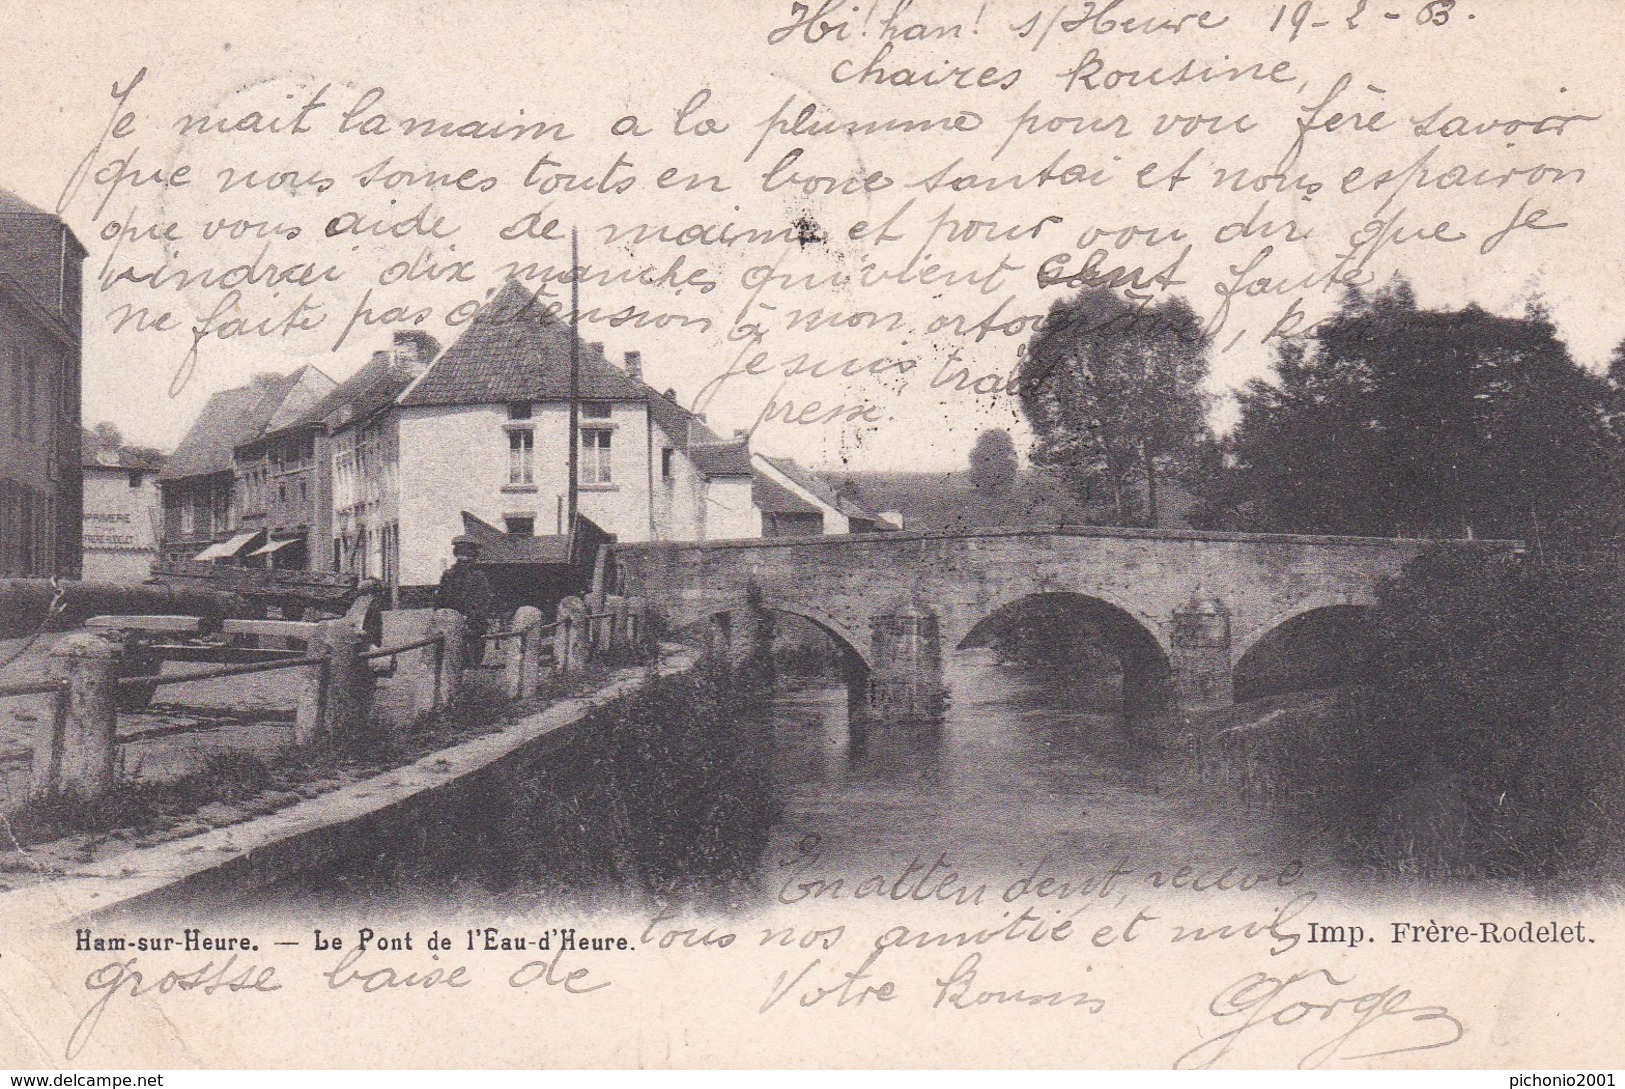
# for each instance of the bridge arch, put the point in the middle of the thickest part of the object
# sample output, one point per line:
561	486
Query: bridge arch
1150	624
732	621
1319	647
1147	668
843	637
1245	641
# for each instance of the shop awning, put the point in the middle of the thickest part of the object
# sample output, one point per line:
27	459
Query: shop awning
271	547
227	550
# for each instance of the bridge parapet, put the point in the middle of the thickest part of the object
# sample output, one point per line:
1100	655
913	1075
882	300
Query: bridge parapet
1201	599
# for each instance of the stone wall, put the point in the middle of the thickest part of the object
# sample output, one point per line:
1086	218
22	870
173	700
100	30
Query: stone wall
1203	598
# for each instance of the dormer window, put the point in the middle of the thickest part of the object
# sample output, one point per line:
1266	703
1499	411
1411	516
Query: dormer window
595	410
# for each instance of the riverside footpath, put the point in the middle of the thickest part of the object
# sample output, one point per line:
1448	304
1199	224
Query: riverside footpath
220	864
227	782
173	737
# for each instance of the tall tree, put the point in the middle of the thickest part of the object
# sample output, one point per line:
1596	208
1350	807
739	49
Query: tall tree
108	436
993	460
1112	389
1396	420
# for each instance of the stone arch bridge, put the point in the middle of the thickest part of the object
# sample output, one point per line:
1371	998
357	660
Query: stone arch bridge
1180	608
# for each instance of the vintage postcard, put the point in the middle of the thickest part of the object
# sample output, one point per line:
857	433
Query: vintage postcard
812	533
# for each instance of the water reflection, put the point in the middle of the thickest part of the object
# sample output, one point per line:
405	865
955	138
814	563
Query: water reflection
1026	757
1029	762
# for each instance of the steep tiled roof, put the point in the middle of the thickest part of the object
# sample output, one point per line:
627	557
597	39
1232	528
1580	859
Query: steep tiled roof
812	483
13	205
771	497
684	427
721	459
307	389
237	416
514	350
217	430
370	389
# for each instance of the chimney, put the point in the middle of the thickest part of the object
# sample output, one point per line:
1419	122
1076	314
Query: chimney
595	348
671	395
634	366
741	434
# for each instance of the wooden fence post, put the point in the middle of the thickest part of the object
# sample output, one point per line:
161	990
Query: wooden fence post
313	687
452	627
349	681
89	715
524	652
571	638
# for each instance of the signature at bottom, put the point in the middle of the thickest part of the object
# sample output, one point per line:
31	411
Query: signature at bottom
1364	1025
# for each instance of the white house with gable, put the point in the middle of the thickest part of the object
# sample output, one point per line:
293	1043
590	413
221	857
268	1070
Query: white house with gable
484	439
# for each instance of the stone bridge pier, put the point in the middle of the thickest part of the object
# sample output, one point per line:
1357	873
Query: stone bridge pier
1181	611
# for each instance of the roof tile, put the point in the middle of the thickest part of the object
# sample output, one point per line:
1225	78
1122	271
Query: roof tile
233	417
516	350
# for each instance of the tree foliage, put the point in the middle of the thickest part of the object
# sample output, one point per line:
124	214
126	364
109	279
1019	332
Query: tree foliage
1395	420
1112	389
108	436
1505	678
993	460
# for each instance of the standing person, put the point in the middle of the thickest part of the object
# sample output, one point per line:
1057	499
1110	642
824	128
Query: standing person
465	589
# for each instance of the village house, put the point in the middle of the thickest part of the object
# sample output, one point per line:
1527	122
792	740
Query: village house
275	493
359	453
794	502
220	506
41	492
484	440
122	511
377	475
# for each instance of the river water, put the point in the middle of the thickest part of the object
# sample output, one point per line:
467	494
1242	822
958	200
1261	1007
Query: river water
1028	764
1031	767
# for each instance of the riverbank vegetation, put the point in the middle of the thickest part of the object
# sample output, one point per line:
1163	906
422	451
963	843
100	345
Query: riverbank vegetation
1483	737
662	796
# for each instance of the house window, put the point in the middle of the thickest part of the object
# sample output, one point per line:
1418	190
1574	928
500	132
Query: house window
595	456
281	492
666	463
520	526
188	516
519	410
135	478
521	447
595	410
